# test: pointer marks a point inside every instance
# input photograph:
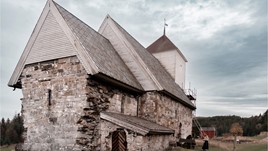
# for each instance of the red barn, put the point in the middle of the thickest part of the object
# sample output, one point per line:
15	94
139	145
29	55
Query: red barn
210	131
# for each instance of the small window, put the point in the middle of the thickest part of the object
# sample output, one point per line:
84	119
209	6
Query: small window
49	97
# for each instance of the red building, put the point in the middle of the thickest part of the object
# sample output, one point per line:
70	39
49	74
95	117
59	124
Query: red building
210	131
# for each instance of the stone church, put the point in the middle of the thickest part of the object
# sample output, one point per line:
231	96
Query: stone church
99	90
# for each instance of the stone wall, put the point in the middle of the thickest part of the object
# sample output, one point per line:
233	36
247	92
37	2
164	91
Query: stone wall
101	97
163	110
51	124
61	106
121	102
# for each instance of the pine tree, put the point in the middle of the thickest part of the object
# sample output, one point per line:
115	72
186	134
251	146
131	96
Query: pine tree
11	131
3	131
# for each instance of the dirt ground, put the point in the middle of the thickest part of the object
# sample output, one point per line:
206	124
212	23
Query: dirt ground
257	143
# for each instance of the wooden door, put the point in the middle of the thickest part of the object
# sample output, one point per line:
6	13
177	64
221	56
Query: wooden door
119	142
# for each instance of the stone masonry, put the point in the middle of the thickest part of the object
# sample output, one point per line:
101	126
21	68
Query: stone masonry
69	121
135	142
161	109
52	124
61	108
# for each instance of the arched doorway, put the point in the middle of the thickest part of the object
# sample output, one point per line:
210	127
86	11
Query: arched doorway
119	141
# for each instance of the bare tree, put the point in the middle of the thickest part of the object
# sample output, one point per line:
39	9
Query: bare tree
236	130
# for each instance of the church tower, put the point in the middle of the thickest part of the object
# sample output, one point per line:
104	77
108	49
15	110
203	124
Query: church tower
170	57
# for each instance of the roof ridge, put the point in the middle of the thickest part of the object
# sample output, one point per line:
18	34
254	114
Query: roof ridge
76	18
153	67
81	20
152	77
125	30
163	44
84	33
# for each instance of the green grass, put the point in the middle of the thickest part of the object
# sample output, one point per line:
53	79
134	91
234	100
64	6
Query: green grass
259	137
8	148
240	147
252	147
211	148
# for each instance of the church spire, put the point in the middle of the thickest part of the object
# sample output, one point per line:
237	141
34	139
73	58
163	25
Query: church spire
165	24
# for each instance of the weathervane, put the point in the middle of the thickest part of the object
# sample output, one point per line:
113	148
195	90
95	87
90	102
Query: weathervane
165	24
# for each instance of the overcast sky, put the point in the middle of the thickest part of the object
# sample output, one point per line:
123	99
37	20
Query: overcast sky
225	42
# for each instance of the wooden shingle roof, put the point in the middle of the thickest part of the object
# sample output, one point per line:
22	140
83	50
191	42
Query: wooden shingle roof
136	124
112	54
161	79
94	51
100	50
163	44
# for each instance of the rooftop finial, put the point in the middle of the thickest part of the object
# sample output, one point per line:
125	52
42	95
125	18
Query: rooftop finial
165	24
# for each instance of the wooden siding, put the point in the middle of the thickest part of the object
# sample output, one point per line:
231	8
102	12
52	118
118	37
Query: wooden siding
174	63
167	59
13	82
50	43
180	69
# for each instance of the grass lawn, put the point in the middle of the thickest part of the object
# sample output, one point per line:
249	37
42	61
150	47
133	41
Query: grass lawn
252	147
241	147
8	148
223	146
259	137
211	148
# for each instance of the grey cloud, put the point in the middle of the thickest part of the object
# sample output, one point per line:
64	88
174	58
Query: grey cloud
229	66
232	64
